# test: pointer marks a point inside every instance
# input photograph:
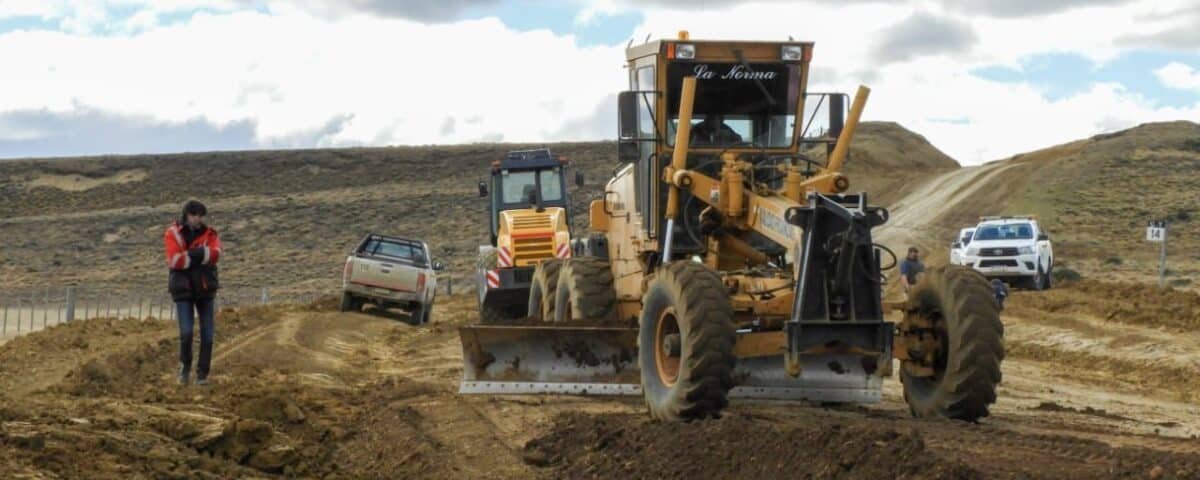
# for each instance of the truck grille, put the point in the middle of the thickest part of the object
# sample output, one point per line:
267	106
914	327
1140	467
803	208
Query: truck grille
528	250
997	263
530	222
998	252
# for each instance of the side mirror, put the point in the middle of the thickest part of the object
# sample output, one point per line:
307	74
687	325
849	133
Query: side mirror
628	151
627	115
578	178
483	190
437	266
956	245
837	114
1043	237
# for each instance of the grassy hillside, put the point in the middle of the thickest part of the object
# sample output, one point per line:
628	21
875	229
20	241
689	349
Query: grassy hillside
1096	195
289	217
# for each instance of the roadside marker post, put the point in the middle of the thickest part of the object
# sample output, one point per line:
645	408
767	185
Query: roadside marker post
1156	231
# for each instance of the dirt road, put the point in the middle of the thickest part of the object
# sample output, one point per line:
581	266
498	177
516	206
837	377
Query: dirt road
304	392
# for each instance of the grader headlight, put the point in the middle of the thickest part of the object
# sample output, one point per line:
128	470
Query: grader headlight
685	51
791	53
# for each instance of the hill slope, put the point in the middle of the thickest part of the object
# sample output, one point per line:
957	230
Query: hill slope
288	217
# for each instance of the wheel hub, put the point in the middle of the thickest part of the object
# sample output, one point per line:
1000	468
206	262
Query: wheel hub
668	346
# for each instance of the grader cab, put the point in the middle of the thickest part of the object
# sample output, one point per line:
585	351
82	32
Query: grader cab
735	264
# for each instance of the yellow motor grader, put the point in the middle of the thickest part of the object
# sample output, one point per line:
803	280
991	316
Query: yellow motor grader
728	262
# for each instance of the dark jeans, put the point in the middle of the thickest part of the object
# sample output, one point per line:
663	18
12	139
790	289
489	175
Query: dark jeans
187	311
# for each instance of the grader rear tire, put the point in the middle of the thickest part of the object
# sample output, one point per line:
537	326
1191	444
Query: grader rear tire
685	343
585	292
543	290
960	304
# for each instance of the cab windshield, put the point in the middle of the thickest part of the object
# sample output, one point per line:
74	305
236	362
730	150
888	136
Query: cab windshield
1009	231
750	104
516	187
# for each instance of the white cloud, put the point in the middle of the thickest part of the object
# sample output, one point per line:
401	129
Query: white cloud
1178	75
356	78
394	80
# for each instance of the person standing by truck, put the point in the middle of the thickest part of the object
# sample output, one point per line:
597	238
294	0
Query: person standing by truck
192	250
911	268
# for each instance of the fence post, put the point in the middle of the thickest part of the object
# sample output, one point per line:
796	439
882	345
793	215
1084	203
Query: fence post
70	304
5	331
449	285
266	297
18	315
46	311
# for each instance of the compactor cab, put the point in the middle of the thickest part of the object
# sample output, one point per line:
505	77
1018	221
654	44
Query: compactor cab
736	262
529	223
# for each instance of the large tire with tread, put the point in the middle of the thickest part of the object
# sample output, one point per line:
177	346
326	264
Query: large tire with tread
585	292
491	315
543	290
971	346
692	379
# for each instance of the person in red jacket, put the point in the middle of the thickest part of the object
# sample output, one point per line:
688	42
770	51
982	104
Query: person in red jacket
193	250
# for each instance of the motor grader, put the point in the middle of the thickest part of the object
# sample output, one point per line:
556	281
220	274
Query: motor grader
735	263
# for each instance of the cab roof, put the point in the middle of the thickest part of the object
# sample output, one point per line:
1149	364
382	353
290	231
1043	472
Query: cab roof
529	159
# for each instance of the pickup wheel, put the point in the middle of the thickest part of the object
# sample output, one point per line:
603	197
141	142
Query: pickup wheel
1038	282
349	303
1049	274
427	313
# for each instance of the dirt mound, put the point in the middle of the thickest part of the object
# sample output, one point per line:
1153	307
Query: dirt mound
737	446
78	183
1135	303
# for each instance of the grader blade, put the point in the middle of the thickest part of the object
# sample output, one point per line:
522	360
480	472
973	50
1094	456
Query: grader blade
837	378
524	359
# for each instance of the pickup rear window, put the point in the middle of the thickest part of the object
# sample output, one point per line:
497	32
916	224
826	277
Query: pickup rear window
396	249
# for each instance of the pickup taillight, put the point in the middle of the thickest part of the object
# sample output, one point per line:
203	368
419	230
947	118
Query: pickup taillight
420	282
349	265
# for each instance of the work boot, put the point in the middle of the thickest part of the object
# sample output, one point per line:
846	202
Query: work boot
201	381
184	376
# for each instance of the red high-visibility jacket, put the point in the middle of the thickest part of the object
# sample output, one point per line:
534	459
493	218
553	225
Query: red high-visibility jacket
192	278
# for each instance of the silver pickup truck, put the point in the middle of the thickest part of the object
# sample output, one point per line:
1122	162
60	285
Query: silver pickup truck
391	272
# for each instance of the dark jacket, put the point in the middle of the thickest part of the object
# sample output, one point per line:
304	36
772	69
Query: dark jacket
192	256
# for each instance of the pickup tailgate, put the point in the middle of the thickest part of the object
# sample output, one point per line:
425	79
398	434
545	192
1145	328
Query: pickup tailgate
386	276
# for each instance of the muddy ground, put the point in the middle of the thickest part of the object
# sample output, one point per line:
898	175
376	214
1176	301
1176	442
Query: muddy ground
310	392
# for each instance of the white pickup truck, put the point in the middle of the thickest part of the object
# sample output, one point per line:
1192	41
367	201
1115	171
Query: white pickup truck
1008	247
391	272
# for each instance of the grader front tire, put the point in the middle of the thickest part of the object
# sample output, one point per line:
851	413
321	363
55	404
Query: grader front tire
957	305
685	343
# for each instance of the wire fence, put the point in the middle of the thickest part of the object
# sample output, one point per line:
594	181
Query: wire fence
32	310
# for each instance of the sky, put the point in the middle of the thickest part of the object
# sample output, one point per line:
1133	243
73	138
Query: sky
980	79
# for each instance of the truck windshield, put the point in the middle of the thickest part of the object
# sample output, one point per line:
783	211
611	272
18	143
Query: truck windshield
517	186
752	104
398	250
1011	231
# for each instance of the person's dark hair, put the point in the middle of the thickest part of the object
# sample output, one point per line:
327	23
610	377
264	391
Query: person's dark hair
193	207
913	250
